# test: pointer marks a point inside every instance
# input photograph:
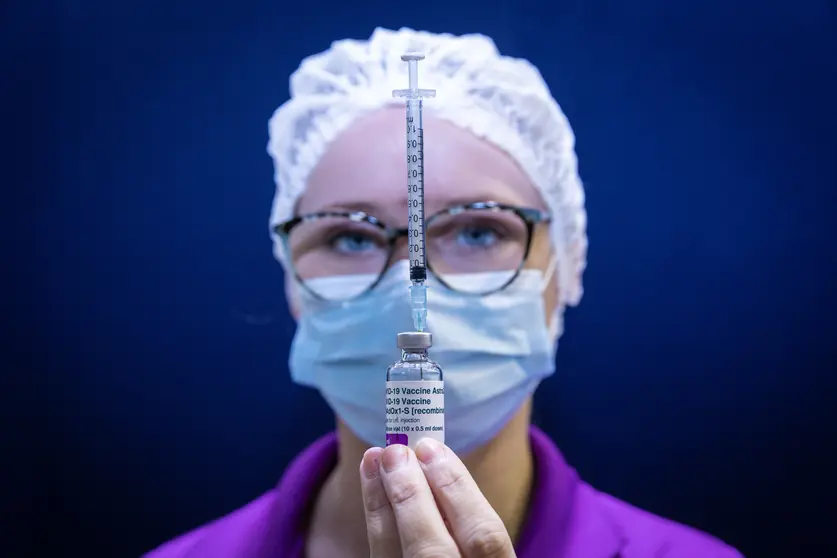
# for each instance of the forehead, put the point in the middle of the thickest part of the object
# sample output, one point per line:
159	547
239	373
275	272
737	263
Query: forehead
366	168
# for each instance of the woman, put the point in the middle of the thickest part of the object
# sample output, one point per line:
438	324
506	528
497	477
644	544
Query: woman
506	246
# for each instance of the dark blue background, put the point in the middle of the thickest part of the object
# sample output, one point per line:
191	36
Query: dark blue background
146	335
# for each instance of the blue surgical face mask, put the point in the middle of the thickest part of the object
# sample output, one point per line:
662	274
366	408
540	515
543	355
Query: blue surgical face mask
494	350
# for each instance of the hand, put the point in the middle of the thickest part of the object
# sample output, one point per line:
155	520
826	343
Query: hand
426	504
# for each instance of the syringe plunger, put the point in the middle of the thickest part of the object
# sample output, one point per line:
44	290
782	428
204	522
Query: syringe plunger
412	60
412	67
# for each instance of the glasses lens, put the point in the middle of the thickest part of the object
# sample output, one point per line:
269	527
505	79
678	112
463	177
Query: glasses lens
338	258
490	242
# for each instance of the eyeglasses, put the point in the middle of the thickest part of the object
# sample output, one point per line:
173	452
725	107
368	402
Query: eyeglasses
464	239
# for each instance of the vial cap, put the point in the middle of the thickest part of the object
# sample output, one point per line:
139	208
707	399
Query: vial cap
415	340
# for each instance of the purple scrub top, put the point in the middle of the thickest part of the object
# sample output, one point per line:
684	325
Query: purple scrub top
567	518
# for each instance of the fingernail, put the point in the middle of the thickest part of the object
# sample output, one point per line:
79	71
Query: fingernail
394	457
427	450
371	462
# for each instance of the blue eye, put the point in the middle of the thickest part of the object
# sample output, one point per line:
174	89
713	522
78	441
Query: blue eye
352	243
481	237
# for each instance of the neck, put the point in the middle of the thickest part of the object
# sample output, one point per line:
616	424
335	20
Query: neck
503	470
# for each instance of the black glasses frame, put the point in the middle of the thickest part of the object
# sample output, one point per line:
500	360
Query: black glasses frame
531	217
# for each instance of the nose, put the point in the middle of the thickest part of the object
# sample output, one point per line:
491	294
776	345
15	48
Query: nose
400	250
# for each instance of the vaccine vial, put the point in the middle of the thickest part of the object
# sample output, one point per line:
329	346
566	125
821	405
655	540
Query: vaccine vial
415	393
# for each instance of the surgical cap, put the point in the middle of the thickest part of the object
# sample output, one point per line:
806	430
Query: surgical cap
500	99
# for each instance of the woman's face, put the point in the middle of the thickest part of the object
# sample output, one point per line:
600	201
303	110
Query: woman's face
365	169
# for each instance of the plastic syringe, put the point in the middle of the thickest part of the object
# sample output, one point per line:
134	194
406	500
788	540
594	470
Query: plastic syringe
415	188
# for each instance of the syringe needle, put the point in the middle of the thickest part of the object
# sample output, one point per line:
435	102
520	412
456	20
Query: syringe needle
418	297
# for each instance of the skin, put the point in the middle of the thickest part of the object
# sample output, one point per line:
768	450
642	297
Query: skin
484	497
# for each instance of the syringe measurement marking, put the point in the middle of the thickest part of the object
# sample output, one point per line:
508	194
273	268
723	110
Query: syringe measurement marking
415	191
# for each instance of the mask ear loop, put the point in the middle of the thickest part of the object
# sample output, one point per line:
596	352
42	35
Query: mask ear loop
556	320
549	272
293	292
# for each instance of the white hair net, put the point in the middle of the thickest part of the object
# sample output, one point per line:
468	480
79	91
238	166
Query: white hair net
501	99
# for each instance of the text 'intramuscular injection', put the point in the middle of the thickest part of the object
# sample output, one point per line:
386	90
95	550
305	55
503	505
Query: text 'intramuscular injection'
415	189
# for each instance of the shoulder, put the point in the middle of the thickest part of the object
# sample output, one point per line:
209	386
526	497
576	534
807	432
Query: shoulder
237	524
271	521
644	534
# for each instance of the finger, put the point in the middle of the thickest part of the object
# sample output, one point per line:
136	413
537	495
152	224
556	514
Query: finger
381	528
476	527
420	527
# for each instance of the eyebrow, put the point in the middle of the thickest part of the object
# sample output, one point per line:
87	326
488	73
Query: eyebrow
372	208
498	198
351	207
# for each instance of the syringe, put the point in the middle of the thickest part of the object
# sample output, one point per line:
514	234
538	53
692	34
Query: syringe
415	188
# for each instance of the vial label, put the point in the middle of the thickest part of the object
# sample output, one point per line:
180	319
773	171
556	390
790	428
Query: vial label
415	410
